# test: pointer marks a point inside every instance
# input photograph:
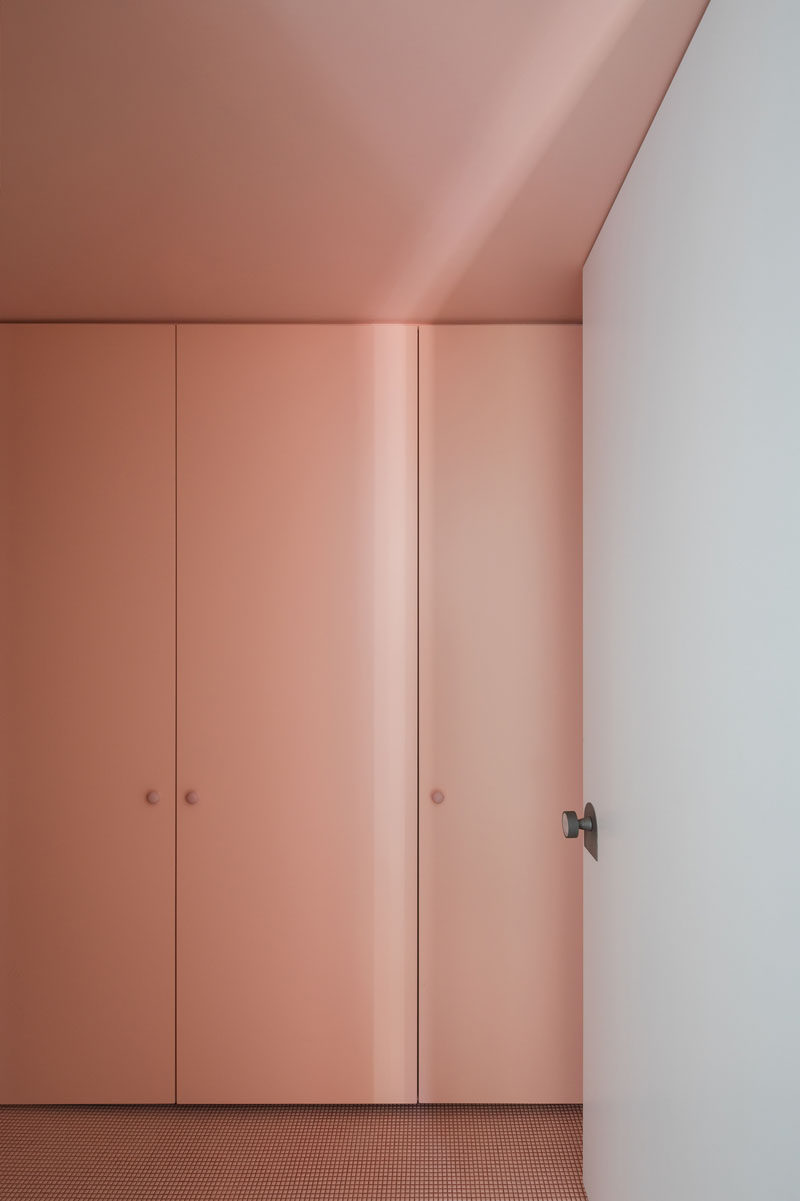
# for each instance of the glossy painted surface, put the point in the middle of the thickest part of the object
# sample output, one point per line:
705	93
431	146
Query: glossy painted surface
309	160
297	702
500	720
87	713
692	653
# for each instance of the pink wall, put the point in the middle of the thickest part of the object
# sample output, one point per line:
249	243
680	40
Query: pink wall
289	161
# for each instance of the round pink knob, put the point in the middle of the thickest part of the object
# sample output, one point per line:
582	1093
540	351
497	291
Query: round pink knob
153	798
437	796
192	798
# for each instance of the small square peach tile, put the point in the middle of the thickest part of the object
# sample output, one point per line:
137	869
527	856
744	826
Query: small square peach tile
291	1153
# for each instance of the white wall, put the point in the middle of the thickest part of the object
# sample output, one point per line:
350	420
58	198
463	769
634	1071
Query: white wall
692	635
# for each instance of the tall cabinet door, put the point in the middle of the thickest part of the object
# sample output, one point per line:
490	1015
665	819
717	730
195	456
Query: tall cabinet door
87	619
500	713
297	714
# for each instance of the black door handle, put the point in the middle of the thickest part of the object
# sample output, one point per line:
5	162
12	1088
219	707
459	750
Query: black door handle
572	825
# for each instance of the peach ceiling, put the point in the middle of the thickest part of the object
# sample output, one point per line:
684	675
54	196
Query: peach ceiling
318	159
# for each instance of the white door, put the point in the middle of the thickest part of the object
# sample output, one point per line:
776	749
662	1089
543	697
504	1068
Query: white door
692	637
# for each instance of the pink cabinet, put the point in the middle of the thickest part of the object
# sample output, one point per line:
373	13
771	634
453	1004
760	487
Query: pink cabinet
296	862
290	896
500	713
87	705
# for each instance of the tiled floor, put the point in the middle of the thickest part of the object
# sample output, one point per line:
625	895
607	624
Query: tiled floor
289	1152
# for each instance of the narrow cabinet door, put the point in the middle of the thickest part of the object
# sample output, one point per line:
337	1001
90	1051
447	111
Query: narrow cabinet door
87	619
297	714
500	711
